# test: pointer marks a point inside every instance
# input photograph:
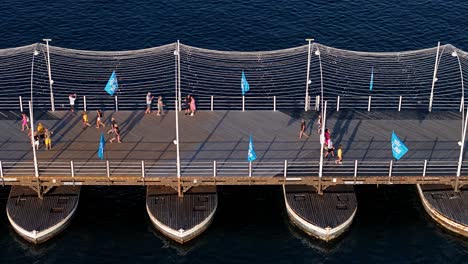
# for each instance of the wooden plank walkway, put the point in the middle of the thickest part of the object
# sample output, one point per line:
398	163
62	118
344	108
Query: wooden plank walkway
223	136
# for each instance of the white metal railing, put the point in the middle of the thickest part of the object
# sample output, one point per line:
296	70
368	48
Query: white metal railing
246	103
285	168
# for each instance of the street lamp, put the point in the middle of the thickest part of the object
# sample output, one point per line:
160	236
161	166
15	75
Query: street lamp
308	81
50	75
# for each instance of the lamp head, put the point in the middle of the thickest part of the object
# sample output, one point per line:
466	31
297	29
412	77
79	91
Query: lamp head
454	54
317	52
36	53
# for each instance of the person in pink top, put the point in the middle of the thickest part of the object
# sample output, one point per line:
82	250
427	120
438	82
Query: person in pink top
193	106
24	121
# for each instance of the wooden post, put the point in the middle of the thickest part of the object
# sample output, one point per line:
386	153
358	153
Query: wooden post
369	104
21	103
116	104
214	168
399	104
72	170
338	103
243	103
274	103
212	103
84	102
143	171
1	173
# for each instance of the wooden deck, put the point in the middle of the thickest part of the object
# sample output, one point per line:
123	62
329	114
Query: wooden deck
448	208
181	218
37	219
333	208
222	136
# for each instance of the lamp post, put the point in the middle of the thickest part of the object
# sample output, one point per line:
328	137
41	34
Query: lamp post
434	77
307	101
462	104
35	53
52	103
176	108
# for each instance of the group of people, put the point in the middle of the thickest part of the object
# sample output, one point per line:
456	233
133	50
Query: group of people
99	122
327	142
190	105
149	102
41	135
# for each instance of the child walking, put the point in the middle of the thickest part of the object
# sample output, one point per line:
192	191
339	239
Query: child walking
99	119
85	120
24	121
160	105
339	156
303	128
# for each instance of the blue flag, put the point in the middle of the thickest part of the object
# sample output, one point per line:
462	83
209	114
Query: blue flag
398	147
251	156
102	143
112	85
244	84
371	79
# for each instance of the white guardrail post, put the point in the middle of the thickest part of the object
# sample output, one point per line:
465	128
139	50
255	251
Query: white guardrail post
143	171
72	171
390	171
369	104
243	103
108	170
214	168
21	103
338	103
212	103
274	103
355	170
84	103
250	169
285	170
424	168
399	103
116	104
1	173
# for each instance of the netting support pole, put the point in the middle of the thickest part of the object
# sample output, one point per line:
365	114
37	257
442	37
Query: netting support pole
243	103
369	104
178	75
399	103
21	103
317	52
116	104
338	103
322	140
31	118
274	103
462	145
434	78
307	101
52	102
212	103
84	102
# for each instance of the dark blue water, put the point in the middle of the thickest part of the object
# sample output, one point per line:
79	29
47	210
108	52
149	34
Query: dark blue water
251	225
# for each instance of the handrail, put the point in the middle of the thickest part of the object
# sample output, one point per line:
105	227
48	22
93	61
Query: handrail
283	168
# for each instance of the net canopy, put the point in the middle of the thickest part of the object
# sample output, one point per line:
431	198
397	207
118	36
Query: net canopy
278	79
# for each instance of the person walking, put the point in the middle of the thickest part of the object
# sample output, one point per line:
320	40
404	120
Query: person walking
187	104
303	129
339	155
113	124
47	139
116	131
72	98
149	101
330	150
160	105
35	140
319	123
85	120
99	119
327	137
24	121
193	106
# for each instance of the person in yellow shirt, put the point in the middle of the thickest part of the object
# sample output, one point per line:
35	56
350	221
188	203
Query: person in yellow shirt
339	156
48	140
85	120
